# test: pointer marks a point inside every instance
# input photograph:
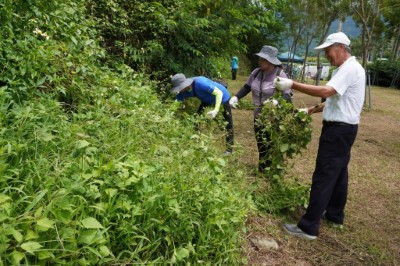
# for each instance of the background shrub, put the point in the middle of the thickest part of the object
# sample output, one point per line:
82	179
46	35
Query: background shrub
385	73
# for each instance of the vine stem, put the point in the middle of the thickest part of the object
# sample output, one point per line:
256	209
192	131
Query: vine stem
58	237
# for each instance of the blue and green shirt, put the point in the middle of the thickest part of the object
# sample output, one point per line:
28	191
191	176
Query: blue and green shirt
203	88
234	62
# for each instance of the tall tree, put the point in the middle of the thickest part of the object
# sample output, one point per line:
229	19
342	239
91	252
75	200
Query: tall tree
326	12
295	15
390	12
310	21
368	13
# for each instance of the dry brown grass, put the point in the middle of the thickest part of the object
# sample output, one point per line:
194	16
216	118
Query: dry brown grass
372	229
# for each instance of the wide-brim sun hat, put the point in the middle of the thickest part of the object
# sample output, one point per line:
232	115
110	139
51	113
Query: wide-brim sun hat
179	82
338	37
270	54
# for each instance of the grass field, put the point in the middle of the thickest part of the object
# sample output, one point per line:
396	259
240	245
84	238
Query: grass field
372	230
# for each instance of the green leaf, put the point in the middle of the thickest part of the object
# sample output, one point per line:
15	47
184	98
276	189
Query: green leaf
284	147
221	162
111	192
46	136
45	255
88	237
17	257
104	251
3	247
182	253
94	251
31	246
235	220
38	212
74	40
80	144
173	204
41	81
64	215
17	235
4	198
31	235
44	224
36	200
91	223
3	216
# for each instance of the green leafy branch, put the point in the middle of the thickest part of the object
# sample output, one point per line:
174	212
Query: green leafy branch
290	132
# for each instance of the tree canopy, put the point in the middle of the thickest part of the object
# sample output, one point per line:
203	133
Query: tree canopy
170	36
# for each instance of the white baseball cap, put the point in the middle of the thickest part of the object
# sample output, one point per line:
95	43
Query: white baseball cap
338	37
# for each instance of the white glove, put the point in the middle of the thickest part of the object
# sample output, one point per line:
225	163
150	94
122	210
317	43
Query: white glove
282	83
274	102
213	113
233	102
303	110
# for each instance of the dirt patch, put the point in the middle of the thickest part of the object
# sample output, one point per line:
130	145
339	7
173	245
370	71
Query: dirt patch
372	232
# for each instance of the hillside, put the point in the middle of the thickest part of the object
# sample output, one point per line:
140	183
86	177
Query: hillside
349	27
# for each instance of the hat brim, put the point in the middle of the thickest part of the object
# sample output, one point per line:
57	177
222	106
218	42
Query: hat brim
183	85
323	46
272	60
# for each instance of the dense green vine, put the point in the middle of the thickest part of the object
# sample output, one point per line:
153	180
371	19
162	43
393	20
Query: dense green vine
290	132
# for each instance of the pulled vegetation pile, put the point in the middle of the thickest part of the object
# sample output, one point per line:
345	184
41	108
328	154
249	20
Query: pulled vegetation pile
289	133
93	168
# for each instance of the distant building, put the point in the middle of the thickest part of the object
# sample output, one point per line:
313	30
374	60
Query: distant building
310	71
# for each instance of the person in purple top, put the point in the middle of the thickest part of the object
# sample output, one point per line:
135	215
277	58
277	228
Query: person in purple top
261	85
210	93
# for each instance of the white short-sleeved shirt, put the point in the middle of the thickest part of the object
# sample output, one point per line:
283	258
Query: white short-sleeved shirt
346	105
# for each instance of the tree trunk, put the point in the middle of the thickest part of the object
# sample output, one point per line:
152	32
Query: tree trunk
396	46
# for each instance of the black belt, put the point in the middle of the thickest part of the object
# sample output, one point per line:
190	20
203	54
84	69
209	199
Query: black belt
334	123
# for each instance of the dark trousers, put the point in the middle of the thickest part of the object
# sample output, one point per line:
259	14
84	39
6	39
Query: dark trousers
227	114
330	178
263	139
234	72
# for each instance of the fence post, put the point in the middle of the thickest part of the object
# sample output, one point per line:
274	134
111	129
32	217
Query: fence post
368	90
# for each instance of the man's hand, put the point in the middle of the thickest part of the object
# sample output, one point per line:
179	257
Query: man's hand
233	102
273	101
282	83
213	113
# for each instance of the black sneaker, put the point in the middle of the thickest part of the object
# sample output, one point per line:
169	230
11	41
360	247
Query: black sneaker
293	229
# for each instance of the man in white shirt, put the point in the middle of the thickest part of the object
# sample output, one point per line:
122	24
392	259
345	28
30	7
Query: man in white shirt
344	95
